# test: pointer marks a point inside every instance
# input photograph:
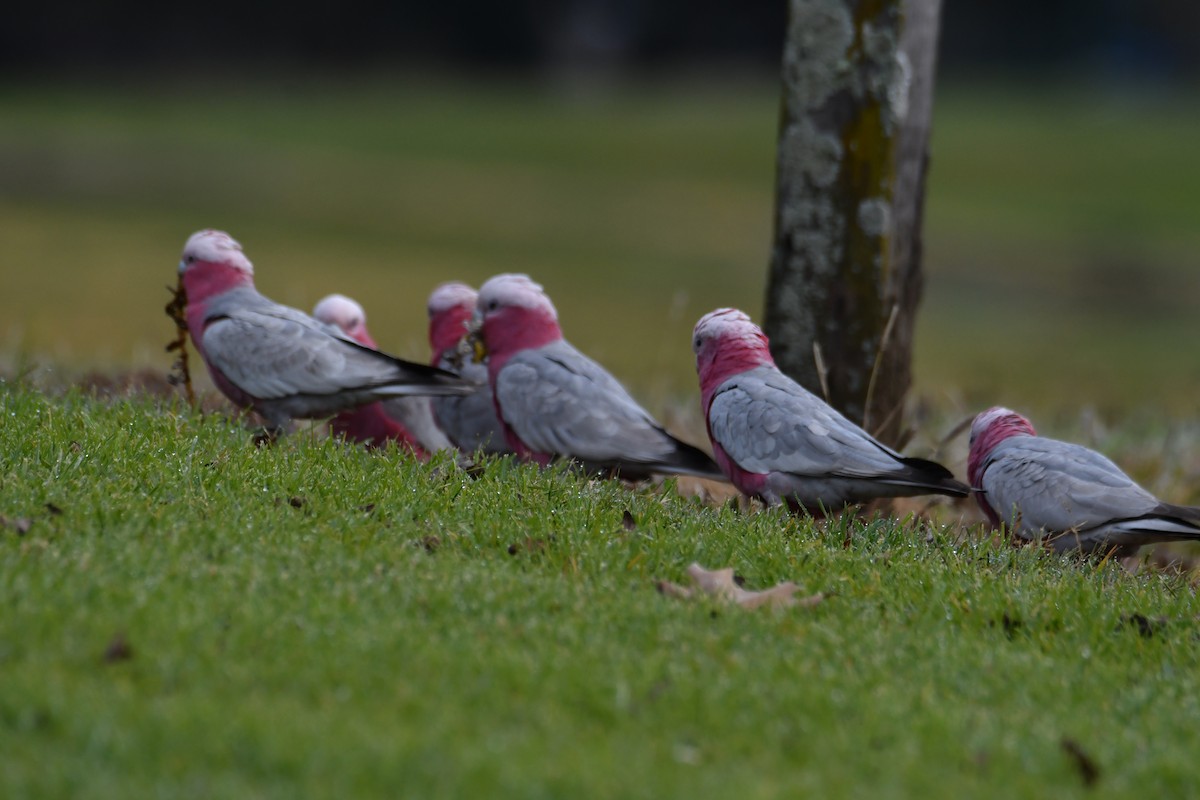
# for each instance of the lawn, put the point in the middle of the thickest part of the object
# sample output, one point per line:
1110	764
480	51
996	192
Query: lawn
188	615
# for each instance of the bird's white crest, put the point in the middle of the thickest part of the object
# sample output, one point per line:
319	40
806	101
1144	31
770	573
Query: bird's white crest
513	290
451	295
216	247
1011	421
339	310
725	324
984	420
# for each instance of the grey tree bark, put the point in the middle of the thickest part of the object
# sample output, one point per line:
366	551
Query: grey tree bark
845	276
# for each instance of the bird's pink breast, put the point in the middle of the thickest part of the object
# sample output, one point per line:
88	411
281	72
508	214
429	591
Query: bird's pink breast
205	279
515	329
750	483
371	425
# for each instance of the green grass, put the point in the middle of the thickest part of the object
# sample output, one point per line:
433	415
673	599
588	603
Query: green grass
1061	245
311	620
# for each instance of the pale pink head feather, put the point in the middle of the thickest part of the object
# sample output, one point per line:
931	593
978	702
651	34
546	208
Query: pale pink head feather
347	315
214	247
989	429
451	295
212	264
514	314
727	343
512	290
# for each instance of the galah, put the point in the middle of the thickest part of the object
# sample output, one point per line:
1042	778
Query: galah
277	360
784	445
407	421
1064	494
469	421
554	402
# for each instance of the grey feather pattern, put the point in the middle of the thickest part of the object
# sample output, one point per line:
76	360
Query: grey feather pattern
559	401
271	351
470	421
767	422
1041	486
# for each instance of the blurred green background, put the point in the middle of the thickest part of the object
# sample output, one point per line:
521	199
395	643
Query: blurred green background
1062	236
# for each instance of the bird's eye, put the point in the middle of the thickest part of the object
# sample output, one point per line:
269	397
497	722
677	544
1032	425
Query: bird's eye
493	305
698	341
191	259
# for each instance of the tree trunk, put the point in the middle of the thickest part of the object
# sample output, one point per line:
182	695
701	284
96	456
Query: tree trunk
845	275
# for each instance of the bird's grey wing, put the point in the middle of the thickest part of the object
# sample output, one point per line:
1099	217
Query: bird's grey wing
767	422
559	401
1044	484
274	352
470	422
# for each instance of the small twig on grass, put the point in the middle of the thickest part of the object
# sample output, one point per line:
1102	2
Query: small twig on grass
952	435
883	344
902	440
822	373
179	373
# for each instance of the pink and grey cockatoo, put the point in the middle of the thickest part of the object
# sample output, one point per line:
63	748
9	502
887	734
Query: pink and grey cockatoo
555	402
407	421
277	360
470	421
1064	494
781	443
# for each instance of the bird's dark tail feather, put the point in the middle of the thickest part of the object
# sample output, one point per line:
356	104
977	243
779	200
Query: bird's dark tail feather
1186	515
418	379
689	460
1189	513
935	477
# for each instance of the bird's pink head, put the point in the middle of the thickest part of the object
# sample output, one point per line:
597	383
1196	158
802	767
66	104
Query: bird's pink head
989	429
450	308
346	315
727	343
212	263
512	314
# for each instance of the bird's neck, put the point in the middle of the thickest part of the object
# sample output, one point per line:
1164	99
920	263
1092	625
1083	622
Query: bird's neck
204	281
446	330
982	447
725	362
516	330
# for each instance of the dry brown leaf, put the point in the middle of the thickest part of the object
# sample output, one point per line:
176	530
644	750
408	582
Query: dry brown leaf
20	525
721	584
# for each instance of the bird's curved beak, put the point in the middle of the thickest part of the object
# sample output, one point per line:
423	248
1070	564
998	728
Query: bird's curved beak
182	266
474	339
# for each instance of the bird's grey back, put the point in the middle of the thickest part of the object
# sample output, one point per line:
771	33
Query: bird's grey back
559	401
767	422
470	422
1058	486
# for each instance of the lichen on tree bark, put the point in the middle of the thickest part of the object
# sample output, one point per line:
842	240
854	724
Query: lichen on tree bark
846	250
